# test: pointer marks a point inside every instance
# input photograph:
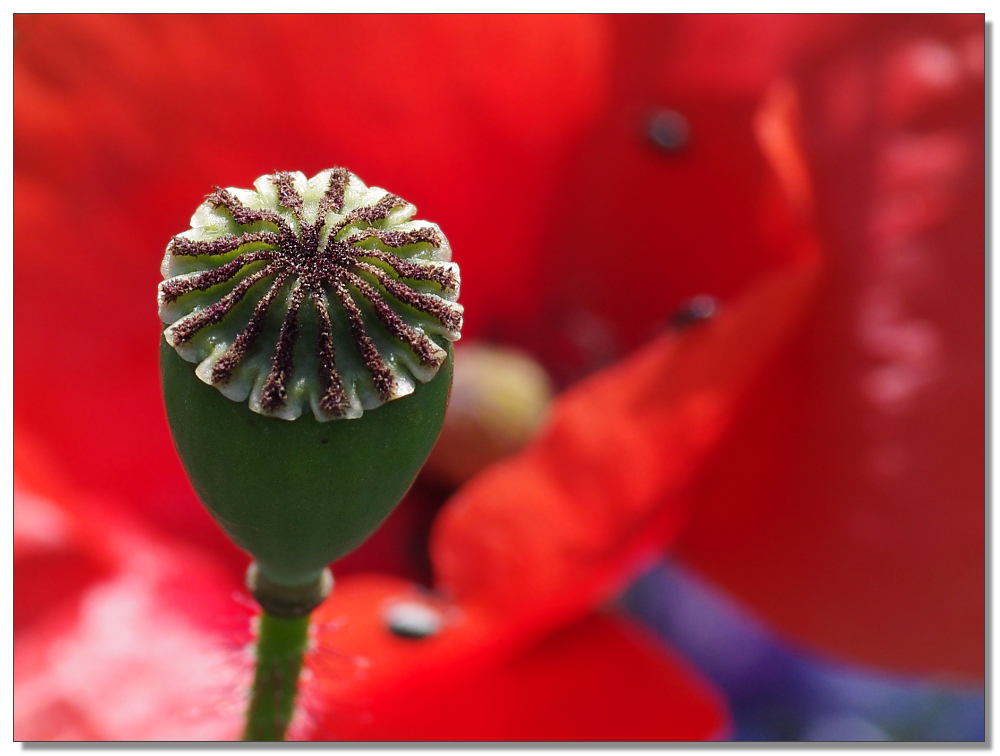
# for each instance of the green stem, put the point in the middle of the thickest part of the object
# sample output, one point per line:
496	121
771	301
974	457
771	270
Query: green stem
280	647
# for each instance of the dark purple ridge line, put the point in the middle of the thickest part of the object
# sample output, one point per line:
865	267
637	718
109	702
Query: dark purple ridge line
309	236
172	289
379	211
334	399
406	269
428	353
395	239
358	276
275	391
185	329
244	215
287	196
382	378
425	303
333	197
184	247
223	369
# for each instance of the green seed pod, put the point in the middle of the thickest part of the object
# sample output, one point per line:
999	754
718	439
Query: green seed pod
307	363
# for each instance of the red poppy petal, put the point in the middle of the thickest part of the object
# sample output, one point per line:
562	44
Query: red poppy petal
597	680
118	634
847	505
546	534
477	680
637	227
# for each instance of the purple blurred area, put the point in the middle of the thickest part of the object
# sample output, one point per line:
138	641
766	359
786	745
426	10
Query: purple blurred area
778	690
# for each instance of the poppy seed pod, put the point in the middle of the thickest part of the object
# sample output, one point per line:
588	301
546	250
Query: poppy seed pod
306	363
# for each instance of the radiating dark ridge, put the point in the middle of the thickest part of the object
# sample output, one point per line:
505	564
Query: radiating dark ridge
185	247
333	197
425	235
428	353
334	399
243	214
287	195
184	329
172	289
382	378
309	235
370	214
223	369
426	303
275	390
438	274
295	254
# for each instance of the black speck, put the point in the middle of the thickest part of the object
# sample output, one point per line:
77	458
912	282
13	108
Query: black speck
668	130
410	633
695	310
324	440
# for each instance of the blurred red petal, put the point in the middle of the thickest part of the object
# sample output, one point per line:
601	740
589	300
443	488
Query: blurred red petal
848	504
117	635
536	542
637	229
599	679
544	536
153	647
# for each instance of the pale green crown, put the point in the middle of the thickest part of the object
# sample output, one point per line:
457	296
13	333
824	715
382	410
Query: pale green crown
319	292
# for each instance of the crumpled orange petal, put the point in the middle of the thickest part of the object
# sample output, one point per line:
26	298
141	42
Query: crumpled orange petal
566	522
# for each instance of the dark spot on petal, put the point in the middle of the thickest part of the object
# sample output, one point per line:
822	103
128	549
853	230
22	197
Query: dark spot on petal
695	310
412	620
668	130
